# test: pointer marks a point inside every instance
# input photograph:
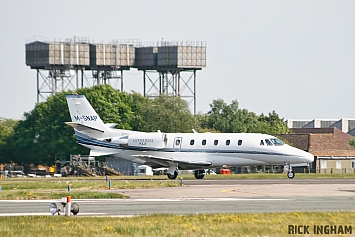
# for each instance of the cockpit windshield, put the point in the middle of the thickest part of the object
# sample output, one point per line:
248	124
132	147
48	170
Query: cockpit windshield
268	142
277	142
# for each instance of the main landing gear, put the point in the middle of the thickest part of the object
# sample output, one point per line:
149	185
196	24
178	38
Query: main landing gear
199	174
173	171
173	176
290	173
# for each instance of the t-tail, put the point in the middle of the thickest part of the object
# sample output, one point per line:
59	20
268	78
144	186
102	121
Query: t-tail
90	130
84	117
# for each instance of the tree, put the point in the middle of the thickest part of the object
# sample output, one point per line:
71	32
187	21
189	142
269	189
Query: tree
42	137
273	124
231	119
165	113
6	131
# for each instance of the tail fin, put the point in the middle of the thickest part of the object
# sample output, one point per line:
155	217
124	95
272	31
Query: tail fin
84	117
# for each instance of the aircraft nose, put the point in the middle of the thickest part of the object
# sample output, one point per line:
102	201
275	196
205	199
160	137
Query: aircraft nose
307	157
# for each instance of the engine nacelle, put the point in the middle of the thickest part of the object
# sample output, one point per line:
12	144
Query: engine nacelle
151	140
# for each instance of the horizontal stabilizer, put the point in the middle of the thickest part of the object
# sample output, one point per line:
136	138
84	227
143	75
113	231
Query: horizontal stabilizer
101	153
165	162
110	125
83	128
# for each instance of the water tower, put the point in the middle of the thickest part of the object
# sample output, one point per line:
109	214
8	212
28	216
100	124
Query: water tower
75	63
170	68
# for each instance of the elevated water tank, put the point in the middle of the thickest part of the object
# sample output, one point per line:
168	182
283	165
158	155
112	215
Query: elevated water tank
114	55
43	54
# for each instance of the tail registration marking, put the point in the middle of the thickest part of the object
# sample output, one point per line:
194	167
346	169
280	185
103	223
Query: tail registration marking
85	118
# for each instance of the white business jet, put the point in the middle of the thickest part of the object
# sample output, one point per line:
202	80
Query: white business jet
180	151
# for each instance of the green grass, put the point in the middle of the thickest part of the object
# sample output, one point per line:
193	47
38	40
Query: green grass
83	184
265	224
55	194
28	189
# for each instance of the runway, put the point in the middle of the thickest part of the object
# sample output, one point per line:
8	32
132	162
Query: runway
207	196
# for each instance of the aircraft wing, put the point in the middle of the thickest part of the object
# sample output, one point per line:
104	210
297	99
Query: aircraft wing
155	162
101	153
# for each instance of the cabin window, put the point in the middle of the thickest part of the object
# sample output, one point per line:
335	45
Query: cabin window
240	142
277	142
177	142
204	142
215	142
192	142
262	143
228	142
268	142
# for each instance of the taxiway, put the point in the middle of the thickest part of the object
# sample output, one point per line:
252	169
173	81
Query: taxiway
210	196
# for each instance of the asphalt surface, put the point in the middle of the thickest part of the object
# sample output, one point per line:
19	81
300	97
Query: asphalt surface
211	196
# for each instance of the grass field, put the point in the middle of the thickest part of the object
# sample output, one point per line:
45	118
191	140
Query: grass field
31	189
270	224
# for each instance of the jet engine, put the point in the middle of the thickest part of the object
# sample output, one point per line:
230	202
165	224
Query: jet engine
152	140
142	140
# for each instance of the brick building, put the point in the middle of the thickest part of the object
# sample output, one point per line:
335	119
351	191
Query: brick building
330	147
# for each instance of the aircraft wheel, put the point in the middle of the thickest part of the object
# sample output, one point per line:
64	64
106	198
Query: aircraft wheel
291	175
74	208
172	176
199	174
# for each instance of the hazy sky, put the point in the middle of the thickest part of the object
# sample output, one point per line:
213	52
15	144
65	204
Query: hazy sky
294	57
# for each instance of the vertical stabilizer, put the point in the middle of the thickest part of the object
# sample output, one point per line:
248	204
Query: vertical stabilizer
82	113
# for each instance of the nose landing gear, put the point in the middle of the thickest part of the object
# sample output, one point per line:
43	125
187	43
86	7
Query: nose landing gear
291	175
288	169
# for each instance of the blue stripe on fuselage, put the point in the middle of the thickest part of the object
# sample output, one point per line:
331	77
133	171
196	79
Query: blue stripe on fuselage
86	140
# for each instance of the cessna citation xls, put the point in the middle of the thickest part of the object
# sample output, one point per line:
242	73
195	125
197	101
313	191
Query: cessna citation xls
180	151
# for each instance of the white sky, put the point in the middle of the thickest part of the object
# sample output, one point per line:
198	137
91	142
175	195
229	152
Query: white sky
294	57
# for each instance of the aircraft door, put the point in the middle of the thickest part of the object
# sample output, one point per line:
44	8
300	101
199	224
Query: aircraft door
177	143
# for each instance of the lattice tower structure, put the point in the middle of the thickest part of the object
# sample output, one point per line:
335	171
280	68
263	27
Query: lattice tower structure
170	68
77	62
